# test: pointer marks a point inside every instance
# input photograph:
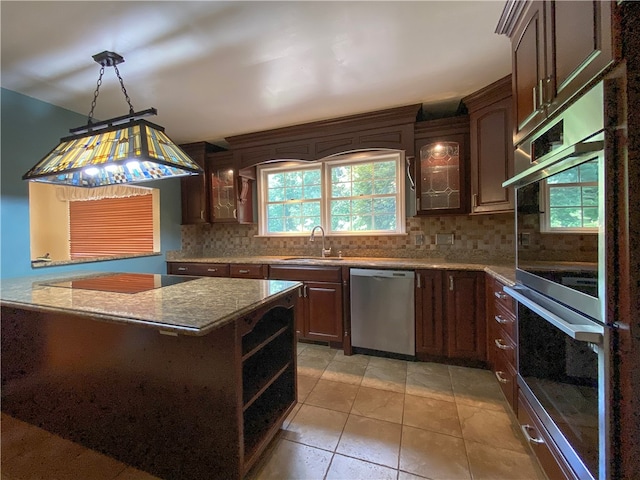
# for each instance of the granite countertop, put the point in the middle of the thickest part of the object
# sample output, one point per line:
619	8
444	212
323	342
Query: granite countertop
504	273
193	307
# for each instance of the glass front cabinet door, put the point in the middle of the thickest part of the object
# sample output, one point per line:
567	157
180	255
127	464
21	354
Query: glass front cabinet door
441	171
231	199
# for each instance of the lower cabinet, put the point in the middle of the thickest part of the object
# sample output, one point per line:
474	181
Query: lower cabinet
248	270
429	315
550	458
465	315
450	316
233	270
502	339
319	312
198	269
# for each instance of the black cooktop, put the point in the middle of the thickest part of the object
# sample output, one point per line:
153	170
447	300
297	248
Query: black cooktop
122	282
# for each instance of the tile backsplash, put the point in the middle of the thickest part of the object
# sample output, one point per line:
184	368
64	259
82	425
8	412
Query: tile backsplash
479	238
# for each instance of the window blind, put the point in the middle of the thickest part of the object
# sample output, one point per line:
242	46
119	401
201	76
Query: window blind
111	226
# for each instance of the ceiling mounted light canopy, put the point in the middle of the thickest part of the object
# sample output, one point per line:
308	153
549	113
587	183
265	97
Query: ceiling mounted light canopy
124	149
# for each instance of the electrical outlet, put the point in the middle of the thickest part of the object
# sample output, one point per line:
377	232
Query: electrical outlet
419	239
525	239
444	238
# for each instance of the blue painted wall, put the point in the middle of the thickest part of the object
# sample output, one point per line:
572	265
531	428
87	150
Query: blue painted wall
29	130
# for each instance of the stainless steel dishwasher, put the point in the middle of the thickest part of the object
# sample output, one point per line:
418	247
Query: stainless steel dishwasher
383	311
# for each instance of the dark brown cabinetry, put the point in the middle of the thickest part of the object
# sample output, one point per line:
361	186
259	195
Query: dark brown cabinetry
268	378
248	270
195	188
234	270
231	190
450	313
558	48
491	147
440	166
198	269
502	339
465	314
320	303
429	313
550	458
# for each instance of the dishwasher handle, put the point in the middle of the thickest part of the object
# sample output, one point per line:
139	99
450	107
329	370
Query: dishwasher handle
382	274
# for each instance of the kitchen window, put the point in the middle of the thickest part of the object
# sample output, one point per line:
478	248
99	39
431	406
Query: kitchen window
570	200
355	194
82	224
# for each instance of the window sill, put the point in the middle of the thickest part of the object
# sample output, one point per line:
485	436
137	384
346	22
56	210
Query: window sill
57	263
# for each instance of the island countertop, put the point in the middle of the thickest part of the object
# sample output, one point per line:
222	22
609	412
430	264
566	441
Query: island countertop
194	307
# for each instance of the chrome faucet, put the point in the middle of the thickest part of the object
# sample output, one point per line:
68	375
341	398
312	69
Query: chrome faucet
325	251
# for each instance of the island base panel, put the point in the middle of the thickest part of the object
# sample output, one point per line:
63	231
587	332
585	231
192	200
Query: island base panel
164	404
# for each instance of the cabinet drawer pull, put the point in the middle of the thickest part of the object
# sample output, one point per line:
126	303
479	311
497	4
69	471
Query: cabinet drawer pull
243	271
502	321
499	376
182	269
212	269
527	435
501	295
501	345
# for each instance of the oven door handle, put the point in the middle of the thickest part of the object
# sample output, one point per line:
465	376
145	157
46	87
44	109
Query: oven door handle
591	333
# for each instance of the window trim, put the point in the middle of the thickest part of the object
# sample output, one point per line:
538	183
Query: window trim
325	201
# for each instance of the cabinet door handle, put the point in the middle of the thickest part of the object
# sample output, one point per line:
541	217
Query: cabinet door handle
500	295
243	271
501	345
451	282
419	280
527	435
305	291
475	199
413	183
541	88
201	214
501	320
535	99
182	269
499	376
235	213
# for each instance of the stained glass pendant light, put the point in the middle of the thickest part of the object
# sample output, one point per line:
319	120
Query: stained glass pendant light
124	149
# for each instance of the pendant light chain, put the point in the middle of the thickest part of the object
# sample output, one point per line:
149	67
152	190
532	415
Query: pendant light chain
124	90
95	95
97	91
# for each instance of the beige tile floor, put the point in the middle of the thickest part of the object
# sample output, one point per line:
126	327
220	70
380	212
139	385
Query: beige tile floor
357	417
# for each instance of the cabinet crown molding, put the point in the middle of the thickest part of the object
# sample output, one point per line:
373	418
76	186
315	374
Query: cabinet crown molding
509	17
498	90
380	118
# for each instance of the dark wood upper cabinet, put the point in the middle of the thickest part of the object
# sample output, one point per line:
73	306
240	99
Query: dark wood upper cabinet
558	49
230	189
391	128
441	166
195	188
491	147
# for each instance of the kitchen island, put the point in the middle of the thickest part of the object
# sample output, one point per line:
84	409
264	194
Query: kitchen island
183	378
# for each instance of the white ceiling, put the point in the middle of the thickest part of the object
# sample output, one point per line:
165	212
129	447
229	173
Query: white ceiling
216	69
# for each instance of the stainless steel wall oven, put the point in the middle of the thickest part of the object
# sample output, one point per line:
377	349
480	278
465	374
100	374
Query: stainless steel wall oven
560	282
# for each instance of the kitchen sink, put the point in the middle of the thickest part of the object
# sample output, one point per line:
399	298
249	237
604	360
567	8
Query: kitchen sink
313	259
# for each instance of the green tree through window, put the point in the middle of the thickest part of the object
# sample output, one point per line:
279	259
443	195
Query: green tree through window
572	198
347	195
